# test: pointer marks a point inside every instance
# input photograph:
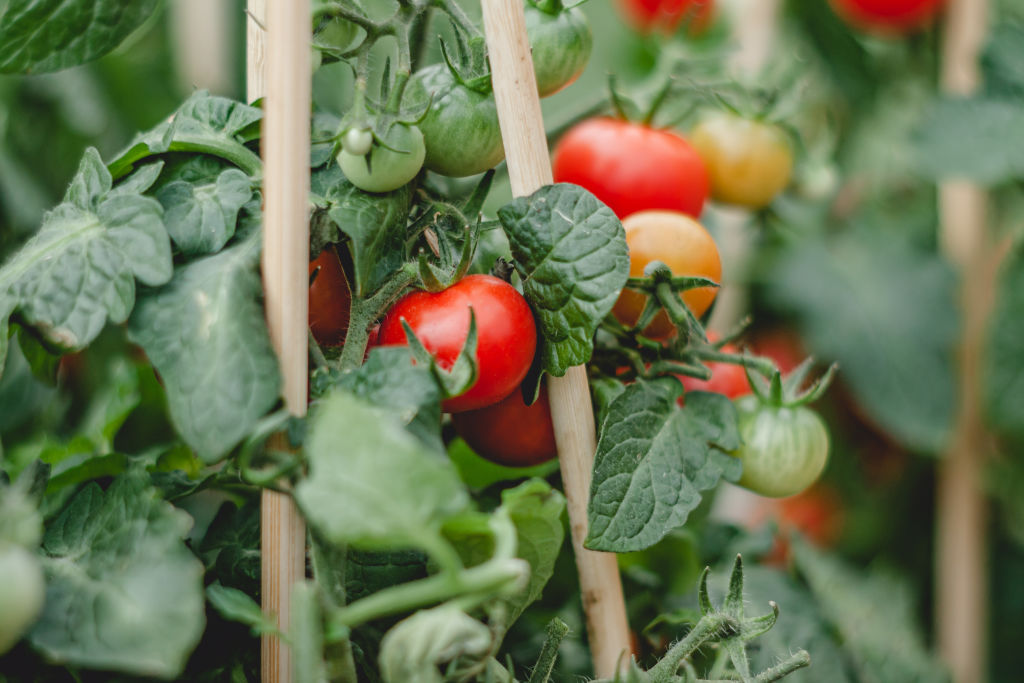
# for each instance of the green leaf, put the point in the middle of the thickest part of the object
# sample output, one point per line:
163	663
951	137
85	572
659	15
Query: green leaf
37	36
653	460
479	473
895	340
874	615
570	250
536	510
201	218
414	648
375	225
371	482
231	547
979	139
123	590
234	605
80	269
140	180
1003	60
1003	376
368	571
206	335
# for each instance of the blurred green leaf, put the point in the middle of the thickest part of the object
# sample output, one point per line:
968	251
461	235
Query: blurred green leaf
1003	374
978	139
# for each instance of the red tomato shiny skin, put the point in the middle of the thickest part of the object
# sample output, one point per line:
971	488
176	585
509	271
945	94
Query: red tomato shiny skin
330	299
895	17
666	15
632	167
506	334
511	433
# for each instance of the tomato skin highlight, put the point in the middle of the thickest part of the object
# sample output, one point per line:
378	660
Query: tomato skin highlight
666	15
632	167
749	162
682	244
506	334
330	299
784	449
511	433
893	17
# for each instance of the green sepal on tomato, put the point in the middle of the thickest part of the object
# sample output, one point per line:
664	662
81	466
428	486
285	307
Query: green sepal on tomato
506	334
560	42
632	167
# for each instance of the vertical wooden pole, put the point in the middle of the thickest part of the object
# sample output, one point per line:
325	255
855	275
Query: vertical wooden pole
285	82
961	525
529	168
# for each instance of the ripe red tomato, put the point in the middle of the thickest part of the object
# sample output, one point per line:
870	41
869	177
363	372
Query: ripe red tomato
510	432
666	15
683	245
632	167
330	299
887	16
728	379
506	334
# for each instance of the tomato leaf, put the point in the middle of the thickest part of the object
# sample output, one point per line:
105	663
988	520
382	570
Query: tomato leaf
234	605
231	547
37	36
201	217
896	338
414	648
371	483
570	250
974	138
653	460
79	270
123	590
1003	376
536	510
206	335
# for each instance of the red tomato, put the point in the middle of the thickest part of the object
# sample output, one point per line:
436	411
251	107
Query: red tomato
506	334
887	16
330	299
817	514
726	378
631	167
666	15
510	432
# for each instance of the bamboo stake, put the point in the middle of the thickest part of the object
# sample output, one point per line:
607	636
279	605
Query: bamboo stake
961	524
529	168
286	141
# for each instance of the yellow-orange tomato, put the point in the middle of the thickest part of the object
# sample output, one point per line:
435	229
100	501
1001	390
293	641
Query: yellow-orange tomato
749	162
682	244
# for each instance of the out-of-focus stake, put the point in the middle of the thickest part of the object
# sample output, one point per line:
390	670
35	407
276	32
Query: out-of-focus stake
529	168
286	139
961	538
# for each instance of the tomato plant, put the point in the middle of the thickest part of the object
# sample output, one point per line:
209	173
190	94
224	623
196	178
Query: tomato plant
728	379
888	16
667	15
391	163
749	162
632	167
682	244
506	334
329	299
510	432
560	43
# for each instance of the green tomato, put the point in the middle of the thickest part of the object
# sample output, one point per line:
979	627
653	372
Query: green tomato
388	170
460	128
561	45
784	449
22	592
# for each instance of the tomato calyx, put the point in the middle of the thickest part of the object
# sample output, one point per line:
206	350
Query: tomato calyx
663	290
785	392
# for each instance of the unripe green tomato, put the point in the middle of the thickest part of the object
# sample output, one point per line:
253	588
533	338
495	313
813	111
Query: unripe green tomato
22	592
561	45
461	127
784	449
388	170
357	141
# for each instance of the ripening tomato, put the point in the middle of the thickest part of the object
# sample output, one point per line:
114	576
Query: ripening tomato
506	334
330	299
666	15
727	379
894	17
749	162
632	167
682	244
510	432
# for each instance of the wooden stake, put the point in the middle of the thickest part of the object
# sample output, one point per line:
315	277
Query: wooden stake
961	546
529	168
286	141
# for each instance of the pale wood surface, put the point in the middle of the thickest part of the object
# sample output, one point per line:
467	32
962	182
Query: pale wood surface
279	69
961	526
204	50
529	168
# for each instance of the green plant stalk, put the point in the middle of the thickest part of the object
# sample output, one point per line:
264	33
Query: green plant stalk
365	311
761	365
796	661
555	633
703	631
